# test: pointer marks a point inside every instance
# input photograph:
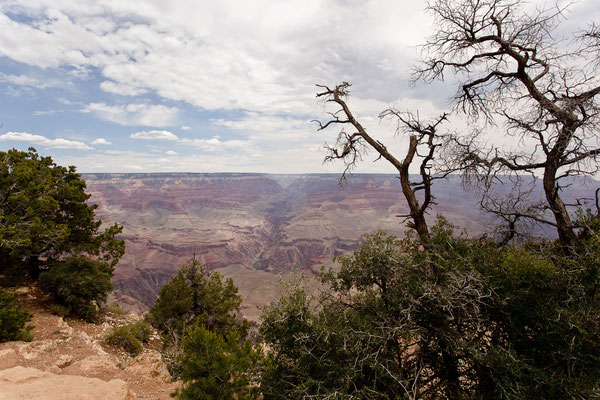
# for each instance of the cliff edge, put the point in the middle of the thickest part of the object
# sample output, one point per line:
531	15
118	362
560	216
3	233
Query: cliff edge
69	359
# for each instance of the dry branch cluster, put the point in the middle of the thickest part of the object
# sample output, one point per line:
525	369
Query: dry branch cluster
514	76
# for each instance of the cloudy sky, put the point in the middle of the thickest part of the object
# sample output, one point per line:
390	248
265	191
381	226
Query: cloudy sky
207	86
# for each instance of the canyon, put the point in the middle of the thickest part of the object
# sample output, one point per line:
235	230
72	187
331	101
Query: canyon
258	229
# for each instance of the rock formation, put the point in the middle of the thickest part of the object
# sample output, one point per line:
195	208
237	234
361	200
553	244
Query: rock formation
33	384
69	359
252	227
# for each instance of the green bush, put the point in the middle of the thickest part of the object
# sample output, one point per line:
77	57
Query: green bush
460	318
194	297
44	217
142	330
13	319
130	337
197	297
125	339
205	343
48	231
59	310
218	367
115	309
79	284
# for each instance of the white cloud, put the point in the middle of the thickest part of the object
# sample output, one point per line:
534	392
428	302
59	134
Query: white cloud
309	158
44	141
45	112
64	101
121	88
24	80
225	55
134	114
101	141
154	135
171	153
265	127
257	61
264	57
216	144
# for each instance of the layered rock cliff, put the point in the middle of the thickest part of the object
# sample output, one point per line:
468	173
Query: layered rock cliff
252	227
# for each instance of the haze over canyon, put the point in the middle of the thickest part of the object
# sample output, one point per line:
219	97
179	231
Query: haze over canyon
255	228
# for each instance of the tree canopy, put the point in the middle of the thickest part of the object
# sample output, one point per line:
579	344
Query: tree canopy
197	297
44	217
513	75
458	319
444	315
13	318
206	342
49	233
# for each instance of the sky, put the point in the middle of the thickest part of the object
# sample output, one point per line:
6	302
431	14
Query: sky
209	86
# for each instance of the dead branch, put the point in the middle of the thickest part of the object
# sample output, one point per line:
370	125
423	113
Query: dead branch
351	147
512	73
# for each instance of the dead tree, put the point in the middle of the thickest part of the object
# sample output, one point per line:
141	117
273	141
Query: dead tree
350	148
510	209
513	74
590	42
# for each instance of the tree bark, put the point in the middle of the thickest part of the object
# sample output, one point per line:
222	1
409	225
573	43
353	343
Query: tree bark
565	230
417	215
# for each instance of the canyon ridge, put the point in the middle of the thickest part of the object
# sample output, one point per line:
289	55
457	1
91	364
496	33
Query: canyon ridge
258	229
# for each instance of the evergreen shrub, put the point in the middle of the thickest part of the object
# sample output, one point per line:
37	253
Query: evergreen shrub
13	319
79	284
130	337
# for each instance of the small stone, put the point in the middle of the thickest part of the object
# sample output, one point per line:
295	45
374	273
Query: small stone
62	326
8	358
64	361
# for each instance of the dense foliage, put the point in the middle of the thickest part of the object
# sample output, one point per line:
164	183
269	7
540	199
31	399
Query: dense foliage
197	297
130	337
206	344
79	284
460	318
49	232
218	366
44	217
446	316
12	318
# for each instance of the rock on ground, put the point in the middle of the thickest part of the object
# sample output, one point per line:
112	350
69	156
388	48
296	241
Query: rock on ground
32	384
70	347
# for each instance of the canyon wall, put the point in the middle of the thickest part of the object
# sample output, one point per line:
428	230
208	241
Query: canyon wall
255	228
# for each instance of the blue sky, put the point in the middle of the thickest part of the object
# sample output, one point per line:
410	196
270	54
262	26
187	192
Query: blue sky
207	86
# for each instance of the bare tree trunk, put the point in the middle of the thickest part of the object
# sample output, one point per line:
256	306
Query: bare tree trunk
349	148
416	213
563	221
